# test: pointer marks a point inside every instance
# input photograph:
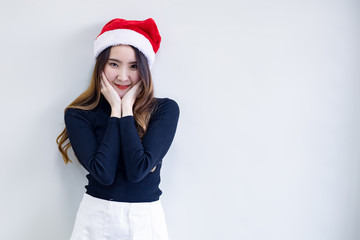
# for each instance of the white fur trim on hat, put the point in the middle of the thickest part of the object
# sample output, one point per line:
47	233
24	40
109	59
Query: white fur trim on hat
126	37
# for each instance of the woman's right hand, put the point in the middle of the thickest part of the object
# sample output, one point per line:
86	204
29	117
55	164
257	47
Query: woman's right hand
111	96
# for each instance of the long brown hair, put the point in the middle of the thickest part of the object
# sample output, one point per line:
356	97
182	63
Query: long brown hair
88	100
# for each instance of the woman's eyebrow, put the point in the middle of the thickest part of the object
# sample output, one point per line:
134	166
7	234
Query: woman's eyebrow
115	60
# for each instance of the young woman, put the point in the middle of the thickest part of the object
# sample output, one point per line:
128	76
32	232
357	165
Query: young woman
120	133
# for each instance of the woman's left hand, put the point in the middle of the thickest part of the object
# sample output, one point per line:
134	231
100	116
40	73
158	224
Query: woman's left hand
129	98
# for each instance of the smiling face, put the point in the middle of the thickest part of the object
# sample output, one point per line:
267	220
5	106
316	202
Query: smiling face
121	69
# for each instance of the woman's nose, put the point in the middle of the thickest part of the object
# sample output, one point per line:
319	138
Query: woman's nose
123	75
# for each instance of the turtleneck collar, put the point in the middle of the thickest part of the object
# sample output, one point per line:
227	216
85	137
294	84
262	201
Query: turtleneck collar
104	105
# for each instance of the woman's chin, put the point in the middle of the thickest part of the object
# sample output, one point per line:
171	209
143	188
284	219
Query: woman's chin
120	92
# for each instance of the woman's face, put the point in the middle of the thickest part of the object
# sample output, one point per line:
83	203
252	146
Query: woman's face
121	68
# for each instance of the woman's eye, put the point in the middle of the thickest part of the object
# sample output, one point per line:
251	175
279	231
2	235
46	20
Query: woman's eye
134	67
113	64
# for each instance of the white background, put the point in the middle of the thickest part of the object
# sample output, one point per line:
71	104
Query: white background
267	145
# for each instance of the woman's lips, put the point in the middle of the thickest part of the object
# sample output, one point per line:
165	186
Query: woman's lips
122	87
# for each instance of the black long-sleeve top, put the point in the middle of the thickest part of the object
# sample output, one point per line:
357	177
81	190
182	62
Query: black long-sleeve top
118	161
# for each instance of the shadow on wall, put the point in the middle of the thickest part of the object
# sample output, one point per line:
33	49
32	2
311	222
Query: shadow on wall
77	61
65	183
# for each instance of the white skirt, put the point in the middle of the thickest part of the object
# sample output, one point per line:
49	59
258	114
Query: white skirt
99	219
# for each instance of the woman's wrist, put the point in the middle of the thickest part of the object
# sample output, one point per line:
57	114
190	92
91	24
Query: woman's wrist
116	111
127	111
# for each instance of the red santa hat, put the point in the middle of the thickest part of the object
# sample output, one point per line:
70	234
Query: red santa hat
144	35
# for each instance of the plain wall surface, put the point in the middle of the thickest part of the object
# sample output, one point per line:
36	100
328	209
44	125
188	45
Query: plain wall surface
267	145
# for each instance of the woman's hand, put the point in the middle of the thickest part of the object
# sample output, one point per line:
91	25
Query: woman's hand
129	98
113	98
